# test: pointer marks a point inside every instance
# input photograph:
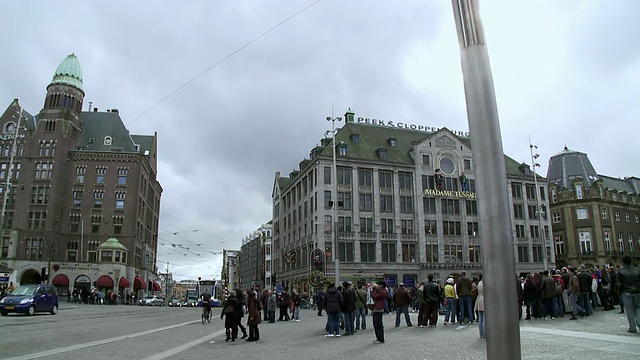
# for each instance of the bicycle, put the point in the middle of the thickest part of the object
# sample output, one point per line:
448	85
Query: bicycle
206	315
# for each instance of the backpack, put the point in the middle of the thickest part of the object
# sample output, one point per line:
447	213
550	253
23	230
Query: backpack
558	287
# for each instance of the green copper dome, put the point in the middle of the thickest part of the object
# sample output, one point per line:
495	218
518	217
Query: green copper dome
69	73
112	243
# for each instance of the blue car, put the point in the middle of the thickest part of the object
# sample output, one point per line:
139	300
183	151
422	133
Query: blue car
30	299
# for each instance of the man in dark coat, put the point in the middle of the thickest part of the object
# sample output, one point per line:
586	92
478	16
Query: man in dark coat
333	306
348	307
402	299
431	295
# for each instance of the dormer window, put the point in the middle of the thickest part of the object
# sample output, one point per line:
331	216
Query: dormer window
393	142
579	192
342	149
355	138
107	140
382	153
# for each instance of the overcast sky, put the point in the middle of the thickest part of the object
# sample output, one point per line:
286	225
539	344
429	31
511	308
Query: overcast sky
565	72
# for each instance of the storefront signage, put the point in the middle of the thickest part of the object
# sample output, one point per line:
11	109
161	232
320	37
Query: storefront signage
65	266
83	279
449	193
401	125
10	136
4	277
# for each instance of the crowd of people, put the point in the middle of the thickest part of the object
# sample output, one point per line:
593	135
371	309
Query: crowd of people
576	292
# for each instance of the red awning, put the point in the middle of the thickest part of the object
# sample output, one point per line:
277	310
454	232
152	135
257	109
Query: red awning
104	281
60	279
123	283
156	286
138	283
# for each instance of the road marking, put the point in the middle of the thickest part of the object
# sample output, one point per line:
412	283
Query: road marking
584	335
97	343
183	347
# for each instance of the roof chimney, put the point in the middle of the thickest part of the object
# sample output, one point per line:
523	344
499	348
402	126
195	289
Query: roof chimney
95	109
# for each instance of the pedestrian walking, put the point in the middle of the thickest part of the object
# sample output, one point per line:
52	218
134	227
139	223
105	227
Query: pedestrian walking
332	305
254	316
629	290
479	307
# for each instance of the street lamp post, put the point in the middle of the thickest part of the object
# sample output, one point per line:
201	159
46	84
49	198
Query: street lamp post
334	198
534	164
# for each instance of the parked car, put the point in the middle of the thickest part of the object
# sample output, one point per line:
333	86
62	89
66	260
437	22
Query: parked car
175	302
151	300
30	299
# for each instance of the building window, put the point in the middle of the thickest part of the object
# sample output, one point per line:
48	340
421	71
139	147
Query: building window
366	202
607	241
342	150
5	248
533	212
523	253
80	171
405	181
95	223
585	241
520	231
388	252
327	200
344	201
556	217
452	253
346	251
617	214
432	253
77	197
627	217
582	213
47	149
630	240
393	142
37	220
451	228
43	171
122	176
33	248
554	196
120	197
518	211
406	227
409	253
344	223
40	195
367	252
471	207
406	204
98	196
344	176
385	179
603	213
467	164
386	226
620	242
74	223
117	224
534	230
355	138
637	218
474	253
450	206
516	190
560	250
537	253
106	256
365	177
429	205
426	160
579	192
327	175
366	225
430	227
386	203
531	191
472	229
382	153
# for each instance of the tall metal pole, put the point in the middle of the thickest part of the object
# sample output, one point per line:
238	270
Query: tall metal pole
543	237
334	198
502	328
7	187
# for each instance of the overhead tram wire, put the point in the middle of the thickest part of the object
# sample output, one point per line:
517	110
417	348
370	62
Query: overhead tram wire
185	239
223	60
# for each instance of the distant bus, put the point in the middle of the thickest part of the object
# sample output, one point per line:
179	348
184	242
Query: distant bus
214	289
192	297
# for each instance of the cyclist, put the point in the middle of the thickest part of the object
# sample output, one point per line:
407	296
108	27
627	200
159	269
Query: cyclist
206	303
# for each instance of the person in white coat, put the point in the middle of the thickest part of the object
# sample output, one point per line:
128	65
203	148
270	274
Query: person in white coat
480	308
